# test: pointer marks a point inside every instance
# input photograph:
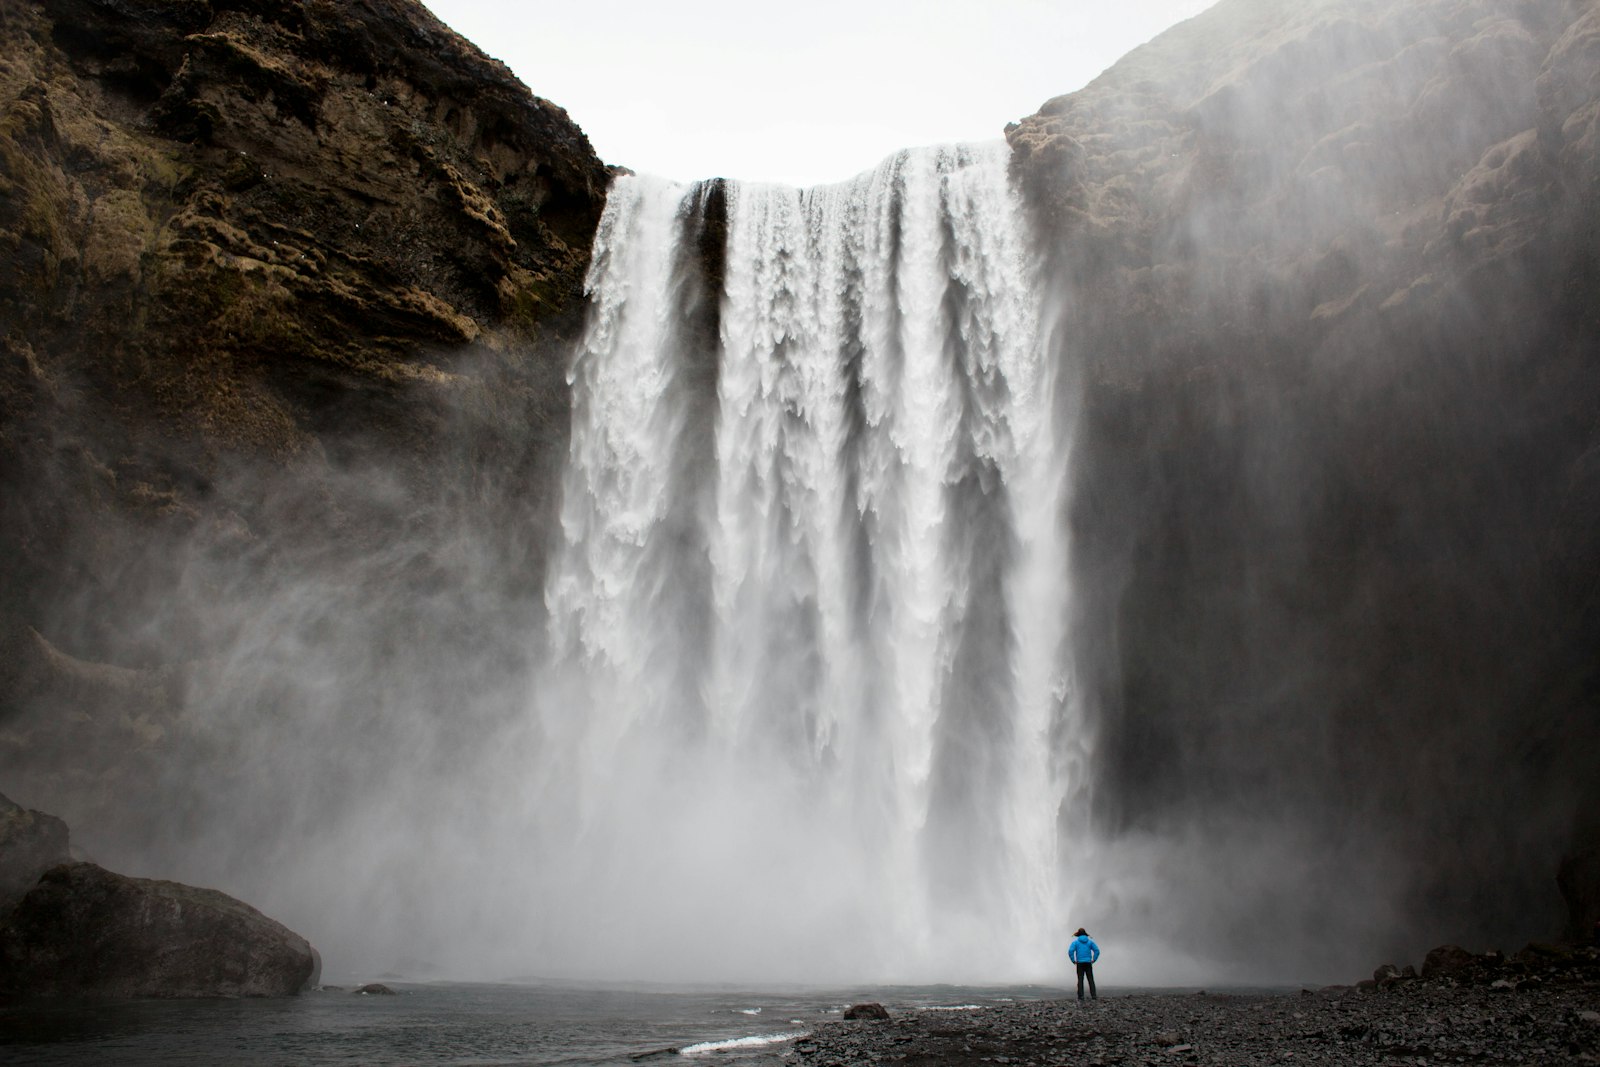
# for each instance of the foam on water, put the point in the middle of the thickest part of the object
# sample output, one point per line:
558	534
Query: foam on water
757	1041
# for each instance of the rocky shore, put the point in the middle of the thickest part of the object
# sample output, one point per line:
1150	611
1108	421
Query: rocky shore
1540	1007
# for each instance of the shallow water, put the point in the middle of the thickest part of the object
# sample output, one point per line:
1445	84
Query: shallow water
457	1024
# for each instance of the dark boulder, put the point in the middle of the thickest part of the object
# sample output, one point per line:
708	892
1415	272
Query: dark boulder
31	842
1449	961
377	989
866	1011
85	931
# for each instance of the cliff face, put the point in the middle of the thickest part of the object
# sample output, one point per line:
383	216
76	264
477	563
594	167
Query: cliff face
1330	273
288	293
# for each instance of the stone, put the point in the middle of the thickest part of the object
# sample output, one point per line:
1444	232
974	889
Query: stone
1448	961
375	989
31	842
871	1011
85	931
1545	953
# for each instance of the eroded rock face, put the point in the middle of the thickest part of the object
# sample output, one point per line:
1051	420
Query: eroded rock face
286	296
31	842
285	231
84	931
1329	270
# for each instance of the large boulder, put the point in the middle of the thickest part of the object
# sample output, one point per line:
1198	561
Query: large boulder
1450	961
31	842
85	931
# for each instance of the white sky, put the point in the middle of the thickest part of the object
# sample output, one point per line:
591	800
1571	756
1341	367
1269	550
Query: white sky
805	91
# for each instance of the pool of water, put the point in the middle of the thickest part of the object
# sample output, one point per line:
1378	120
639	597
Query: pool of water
456	1023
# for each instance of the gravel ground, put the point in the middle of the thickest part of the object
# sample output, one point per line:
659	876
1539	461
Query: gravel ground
1519	1017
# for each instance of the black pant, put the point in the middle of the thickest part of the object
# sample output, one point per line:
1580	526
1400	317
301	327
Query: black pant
1086	970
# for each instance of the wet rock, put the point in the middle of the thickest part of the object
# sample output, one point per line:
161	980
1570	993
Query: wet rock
1448	961
872	1011
85	931
1545	953
259	236
1443	1021
1265	248
375	989
31	842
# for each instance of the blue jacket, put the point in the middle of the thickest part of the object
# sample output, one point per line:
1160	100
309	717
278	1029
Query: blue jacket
1083	950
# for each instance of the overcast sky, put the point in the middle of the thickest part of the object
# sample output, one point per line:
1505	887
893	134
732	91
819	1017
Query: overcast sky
804	91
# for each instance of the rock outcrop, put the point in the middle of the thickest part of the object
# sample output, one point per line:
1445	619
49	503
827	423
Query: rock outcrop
1329	270
287	292
31	843
84	931
237	231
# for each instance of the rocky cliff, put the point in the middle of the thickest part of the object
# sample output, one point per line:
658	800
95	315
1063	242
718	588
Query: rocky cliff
1330	273
238	231
288	293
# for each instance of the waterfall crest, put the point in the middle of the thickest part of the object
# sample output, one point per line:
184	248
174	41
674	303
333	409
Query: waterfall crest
808	609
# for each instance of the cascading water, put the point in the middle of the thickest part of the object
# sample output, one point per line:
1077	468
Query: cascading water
807	615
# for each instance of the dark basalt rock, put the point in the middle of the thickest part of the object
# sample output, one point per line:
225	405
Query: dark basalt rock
1467	1024
84	931
31	842
375	989
1329	273
248	249
1449	961
870	1011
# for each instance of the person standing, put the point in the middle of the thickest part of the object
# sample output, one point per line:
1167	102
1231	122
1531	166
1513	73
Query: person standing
1083	952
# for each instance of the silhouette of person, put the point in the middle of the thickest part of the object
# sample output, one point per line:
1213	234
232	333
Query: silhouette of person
1083	952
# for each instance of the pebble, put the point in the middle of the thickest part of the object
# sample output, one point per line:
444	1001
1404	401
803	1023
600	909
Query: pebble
1411	1022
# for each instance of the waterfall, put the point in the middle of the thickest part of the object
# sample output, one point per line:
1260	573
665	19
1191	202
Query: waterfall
808	609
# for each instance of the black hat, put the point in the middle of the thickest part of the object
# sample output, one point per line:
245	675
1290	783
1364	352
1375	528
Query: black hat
1081	932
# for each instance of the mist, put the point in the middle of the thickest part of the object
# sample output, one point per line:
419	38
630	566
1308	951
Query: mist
1177	522
1318	279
